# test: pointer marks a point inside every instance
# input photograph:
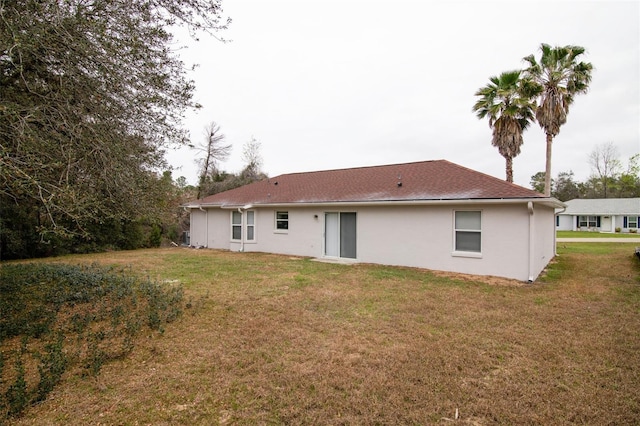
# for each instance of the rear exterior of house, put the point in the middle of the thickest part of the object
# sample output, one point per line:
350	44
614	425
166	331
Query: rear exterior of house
600	215
434	214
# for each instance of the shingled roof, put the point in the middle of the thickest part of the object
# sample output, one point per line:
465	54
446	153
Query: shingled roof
419	181
603	206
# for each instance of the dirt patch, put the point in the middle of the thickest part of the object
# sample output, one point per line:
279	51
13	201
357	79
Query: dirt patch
486	279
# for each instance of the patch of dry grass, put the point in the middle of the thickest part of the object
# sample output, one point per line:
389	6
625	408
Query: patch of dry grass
280	340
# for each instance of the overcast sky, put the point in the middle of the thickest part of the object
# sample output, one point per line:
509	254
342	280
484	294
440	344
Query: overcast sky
339	84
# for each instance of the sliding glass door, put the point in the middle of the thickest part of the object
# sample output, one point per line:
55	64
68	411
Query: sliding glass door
340	235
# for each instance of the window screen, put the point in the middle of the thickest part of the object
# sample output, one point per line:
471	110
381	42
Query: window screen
468	235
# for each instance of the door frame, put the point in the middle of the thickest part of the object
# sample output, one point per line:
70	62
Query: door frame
339	231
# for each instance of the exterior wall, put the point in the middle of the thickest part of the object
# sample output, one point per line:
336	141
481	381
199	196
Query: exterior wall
544	242
620	223
219	226
424	237
303	238
198	228
206	228
415	236
569	223
566	223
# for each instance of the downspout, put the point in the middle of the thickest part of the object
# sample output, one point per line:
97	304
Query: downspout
206	221
555	242
531	236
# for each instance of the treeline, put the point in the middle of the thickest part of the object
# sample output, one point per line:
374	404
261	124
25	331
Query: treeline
92	94
608	178
25	224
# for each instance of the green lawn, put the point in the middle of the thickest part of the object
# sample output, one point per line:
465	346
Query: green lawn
586	234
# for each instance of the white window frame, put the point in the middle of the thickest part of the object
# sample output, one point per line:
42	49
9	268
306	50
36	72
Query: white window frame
588	223
245	227
235	214
635	222
276	220
461	252
250	226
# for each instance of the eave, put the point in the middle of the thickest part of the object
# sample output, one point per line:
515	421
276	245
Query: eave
545	201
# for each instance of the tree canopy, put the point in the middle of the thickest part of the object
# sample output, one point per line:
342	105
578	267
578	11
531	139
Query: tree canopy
215	150
507	102
91	93
217	180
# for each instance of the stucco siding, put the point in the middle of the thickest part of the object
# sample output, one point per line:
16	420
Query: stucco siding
303	238
506	241
198	228
424	237
399	236
416	236
543	241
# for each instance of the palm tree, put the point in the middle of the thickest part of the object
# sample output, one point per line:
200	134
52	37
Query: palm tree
561	77
509	102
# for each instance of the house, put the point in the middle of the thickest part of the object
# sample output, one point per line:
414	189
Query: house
602	214
431	214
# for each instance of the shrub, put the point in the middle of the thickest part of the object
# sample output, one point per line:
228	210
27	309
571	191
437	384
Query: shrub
70	316
16	398
52	365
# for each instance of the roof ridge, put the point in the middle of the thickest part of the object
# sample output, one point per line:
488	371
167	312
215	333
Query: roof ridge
360	168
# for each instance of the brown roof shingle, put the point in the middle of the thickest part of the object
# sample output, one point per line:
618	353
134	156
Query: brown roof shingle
425	180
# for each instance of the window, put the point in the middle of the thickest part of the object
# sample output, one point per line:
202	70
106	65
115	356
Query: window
237	226
632	222
251	226
468	235
587	221
282	221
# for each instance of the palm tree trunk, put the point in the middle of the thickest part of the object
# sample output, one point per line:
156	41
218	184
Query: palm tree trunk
547	169
509	169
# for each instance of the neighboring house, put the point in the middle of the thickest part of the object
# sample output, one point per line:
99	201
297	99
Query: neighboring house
431	214
601	214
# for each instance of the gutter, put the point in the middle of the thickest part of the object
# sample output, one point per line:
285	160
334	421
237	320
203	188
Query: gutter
549	202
